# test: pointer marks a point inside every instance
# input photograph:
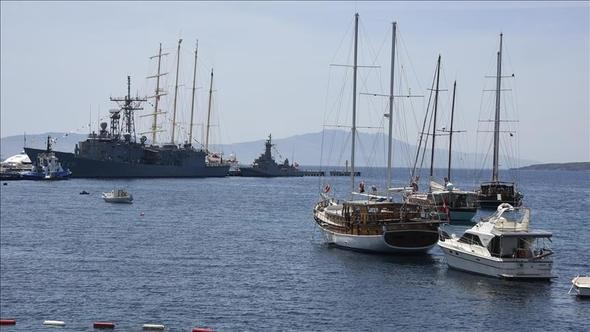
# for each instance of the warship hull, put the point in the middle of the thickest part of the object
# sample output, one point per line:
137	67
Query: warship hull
91	168
269	173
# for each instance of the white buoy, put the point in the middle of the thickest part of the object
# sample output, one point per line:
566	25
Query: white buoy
153	326
54	323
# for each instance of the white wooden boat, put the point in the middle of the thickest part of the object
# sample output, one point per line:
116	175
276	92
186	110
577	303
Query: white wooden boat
501	246
376	226
581	286
118	196
375	223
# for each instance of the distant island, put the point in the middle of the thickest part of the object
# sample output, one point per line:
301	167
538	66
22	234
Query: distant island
578	166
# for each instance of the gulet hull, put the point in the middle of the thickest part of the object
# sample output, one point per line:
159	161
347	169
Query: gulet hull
375	243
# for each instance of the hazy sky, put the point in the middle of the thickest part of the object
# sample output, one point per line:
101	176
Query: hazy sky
60	62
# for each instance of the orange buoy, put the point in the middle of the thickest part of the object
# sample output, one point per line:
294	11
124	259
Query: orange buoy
7	321
104	325
202	329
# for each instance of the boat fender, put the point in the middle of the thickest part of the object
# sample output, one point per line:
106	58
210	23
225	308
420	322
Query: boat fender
158	327
54	323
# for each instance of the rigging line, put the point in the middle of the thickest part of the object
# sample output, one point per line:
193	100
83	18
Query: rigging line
342	149
430	123
401	38
340	98
423	127
403	121
324	128
376	55
344	37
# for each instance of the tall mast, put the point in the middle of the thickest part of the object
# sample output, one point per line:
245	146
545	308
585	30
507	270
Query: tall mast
495	177
176	90
391	82
434	121
190	131
157	96
451	131
354	70
209	113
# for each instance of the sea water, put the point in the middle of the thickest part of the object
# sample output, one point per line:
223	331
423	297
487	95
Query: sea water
244	254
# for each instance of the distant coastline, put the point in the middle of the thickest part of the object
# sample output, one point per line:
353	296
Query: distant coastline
577	166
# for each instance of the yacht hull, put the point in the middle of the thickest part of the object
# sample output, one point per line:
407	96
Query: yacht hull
497	267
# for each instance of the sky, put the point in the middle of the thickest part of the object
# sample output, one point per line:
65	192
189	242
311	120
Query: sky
61	61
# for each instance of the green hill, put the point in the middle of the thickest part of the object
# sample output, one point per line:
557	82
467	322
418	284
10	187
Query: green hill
577	166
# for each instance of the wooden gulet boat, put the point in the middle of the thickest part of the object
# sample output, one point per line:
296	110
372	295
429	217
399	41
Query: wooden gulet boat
385	227
375	223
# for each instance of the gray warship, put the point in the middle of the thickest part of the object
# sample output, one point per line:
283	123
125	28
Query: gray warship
115	152
266	166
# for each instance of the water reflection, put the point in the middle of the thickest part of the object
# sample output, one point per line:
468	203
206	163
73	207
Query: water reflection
484	287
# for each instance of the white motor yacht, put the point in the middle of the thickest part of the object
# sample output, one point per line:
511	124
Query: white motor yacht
501	246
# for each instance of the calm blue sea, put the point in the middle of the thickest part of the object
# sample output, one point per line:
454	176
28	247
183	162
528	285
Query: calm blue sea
243	254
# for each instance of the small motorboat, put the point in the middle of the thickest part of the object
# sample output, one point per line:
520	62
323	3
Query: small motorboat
118	196
46	167
581	286
84	192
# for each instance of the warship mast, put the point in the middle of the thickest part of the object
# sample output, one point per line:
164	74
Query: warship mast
128	105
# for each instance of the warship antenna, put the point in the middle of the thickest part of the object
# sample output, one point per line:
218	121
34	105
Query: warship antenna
90	119
176	90
209	113
190	131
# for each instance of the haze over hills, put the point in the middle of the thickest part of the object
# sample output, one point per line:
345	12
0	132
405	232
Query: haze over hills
306	149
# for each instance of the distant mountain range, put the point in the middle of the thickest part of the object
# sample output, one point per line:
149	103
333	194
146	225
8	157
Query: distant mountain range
305	149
